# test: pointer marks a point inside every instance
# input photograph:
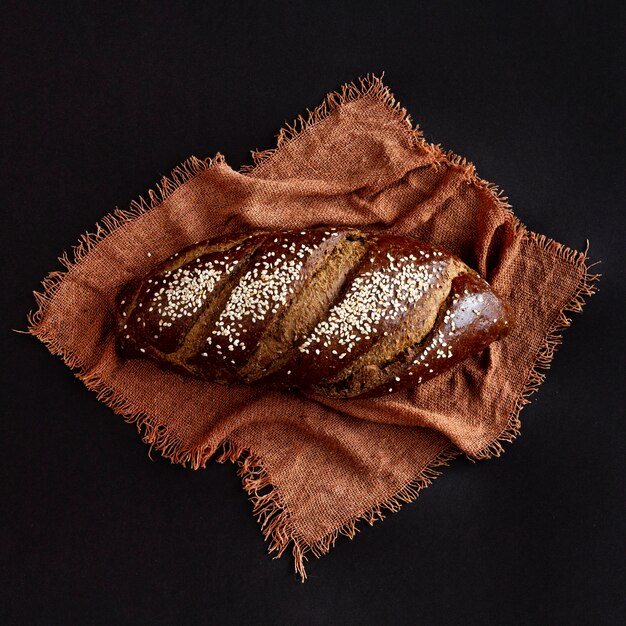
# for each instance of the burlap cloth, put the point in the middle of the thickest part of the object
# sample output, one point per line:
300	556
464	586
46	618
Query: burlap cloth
315	467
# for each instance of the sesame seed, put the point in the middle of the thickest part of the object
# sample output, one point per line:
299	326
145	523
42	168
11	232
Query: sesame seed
186	288
262	291
371	301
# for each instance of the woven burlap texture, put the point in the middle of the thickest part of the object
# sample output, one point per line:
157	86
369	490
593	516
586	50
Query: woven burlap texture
314	467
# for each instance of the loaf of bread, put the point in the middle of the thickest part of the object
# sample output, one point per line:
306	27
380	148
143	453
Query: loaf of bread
332	311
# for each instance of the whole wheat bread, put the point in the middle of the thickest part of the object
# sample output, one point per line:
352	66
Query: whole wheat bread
333	311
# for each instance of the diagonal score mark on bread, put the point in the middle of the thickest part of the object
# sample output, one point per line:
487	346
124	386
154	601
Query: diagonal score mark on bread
308	306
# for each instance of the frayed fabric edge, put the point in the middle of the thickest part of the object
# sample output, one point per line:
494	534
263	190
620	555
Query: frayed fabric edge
154	434
368	85
268	505
168	185
372	86
585	288
274	518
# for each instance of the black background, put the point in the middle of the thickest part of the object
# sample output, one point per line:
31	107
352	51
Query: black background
99	100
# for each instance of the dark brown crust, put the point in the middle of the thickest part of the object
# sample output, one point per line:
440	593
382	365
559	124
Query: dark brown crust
471	318
413	331
406	327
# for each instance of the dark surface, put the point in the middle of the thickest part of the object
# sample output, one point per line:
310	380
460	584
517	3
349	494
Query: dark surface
99	101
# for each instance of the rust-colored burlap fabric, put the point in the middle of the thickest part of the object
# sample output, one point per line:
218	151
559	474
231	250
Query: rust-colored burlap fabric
312	466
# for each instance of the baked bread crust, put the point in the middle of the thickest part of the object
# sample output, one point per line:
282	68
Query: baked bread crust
333	311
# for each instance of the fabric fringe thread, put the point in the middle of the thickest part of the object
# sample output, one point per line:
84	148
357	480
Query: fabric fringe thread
273	516
155	435
372	86
181	174
369	85
268	506
585	288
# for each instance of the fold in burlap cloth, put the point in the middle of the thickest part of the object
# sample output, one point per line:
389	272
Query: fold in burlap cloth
314	467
